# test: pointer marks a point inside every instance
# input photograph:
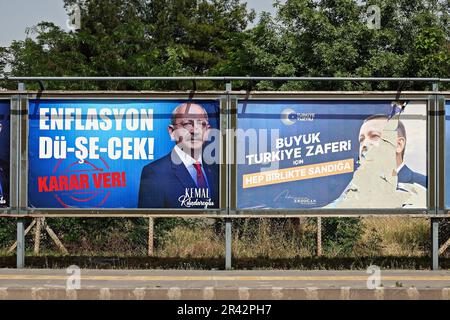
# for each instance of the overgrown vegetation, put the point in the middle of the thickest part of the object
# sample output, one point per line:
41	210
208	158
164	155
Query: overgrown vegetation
252	238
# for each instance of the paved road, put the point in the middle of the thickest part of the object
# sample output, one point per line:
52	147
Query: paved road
175	284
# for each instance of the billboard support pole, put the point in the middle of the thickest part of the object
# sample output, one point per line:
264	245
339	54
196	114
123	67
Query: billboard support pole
435	243
228	235
150	237
319	236
20	262
435	221
20	258
37	235
228	244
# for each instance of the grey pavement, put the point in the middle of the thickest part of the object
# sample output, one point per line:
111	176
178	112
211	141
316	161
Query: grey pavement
228	285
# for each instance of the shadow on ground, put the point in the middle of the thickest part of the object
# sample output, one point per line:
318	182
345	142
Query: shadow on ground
308	263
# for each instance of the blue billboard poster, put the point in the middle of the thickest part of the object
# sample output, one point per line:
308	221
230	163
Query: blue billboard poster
119	153
4	152
447	153
299	154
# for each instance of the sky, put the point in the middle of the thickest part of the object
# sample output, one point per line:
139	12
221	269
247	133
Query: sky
18	15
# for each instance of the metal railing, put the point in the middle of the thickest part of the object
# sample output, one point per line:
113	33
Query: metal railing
224	78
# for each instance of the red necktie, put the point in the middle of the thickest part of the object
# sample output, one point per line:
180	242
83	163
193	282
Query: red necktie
201	182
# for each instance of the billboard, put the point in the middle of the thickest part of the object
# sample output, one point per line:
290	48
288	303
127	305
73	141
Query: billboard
5	110
341	154
123	153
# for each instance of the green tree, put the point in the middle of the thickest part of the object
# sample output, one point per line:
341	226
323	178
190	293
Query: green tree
431	57
210	37
332	38
132	38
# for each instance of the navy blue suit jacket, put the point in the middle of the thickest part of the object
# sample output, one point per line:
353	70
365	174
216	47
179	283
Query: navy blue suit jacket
4	181
164	181
406	175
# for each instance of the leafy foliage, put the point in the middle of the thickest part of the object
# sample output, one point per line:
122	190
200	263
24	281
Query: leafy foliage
213	37
331	38
132	38
342	234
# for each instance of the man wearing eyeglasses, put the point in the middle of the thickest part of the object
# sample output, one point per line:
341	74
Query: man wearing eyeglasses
407	189
181	179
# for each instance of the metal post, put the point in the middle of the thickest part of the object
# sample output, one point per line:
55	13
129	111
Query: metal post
37	235
435	221
435	243
228	235
319	236
150	237
20	263
228	244
20	244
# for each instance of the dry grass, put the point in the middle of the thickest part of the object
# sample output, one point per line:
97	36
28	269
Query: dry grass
184	242
266	240
398	236
263	238
270	241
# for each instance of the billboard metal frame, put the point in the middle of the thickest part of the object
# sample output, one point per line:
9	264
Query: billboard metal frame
323	96
436	148
229	101
131	212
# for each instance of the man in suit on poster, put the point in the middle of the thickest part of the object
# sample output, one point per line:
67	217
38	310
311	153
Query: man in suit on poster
383	139
370	134
181	179
4	180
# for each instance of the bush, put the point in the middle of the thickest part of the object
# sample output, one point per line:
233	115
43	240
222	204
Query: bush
7	232
371	245
444	231
340	235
